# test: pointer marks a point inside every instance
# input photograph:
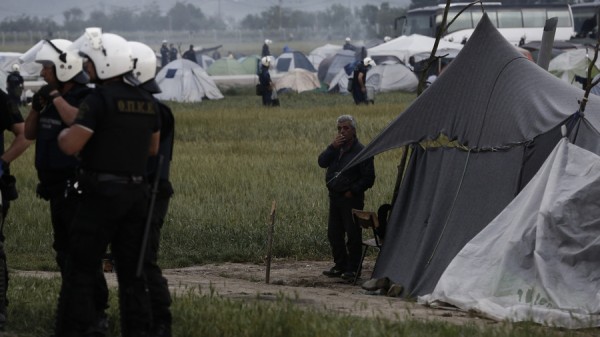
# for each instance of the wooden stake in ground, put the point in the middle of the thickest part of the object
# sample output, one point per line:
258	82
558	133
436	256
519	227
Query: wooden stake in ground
271	230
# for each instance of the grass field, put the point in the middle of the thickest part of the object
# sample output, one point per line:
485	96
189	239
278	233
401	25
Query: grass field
233	158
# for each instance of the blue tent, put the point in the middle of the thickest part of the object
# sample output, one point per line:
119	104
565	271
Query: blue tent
291	60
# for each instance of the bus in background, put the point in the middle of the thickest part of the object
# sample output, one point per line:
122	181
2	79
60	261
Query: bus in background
585	19
517	23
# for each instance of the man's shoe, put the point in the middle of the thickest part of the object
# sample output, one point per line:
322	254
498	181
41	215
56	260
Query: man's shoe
333	272
395	290
162	330
376	284
349	275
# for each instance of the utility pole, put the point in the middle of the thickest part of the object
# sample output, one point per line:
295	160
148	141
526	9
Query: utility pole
279	13
219	11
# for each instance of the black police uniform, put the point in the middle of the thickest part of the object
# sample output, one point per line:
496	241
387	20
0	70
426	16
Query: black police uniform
264	78
113	207
157	285
9	115
57	174
14	86
357	93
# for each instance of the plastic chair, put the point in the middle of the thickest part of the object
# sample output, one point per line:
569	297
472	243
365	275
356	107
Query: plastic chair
367	220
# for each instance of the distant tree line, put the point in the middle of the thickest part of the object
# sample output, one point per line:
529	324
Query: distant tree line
370	19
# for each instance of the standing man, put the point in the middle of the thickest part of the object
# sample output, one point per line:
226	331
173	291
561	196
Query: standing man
265	48
158	287
10	120
359	88
348	45
115	131
172	53
190	54
164	54
346	191
54	108
264	79
15	84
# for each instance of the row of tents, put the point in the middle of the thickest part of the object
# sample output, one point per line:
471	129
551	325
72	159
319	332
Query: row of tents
327	67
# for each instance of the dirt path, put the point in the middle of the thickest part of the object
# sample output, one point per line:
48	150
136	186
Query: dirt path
303	283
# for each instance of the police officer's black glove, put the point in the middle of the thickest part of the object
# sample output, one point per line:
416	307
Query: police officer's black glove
44	93
36	102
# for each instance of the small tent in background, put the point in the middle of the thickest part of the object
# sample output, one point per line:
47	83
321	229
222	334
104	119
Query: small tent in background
185	81
250	63
317	55
291	60
404	47
204	60
384	77
573	63
504	115
298	80
392	77
331	65
226	66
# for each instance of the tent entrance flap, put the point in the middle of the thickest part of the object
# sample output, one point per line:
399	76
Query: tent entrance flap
429	190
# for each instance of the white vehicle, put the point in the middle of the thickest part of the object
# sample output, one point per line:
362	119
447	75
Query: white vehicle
517	23
584	17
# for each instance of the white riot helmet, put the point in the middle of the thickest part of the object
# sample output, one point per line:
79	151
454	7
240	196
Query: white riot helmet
110	53
348	39
144	66
265	61
68	65
368	61
387	39
16	67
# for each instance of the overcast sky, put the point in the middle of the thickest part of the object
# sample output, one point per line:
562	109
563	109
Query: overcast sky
236	9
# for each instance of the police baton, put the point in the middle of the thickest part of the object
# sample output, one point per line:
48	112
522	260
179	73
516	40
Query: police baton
140	264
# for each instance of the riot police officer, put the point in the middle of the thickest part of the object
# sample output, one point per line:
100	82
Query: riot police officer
115	131
54	108
10	120
145	71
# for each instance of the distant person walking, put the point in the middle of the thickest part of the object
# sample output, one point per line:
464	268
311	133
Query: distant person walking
15	84
264	79
164	54
348	45
190	54
265	48
172	53
359	88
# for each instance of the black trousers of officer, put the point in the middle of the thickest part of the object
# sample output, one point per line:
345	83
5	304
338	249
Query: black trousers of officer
3	265
345	237
109	213
62	212
158	287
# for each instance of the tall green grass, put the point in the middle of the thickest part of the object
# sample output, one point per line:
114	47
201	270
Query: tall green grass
201	312
232	158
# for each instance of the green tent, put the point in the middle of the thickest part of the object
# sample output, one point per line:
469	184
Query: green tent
226	66
250	63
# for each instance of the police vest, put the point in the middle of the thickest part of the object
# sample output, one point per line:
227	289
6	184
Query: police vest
48	155
124	124
167	138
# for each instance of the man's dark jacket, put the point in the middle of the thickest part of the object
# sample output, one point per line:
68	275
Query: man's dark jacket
356	179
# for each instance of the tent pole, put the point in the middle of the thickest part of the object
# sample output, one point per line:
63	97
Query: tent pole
401	169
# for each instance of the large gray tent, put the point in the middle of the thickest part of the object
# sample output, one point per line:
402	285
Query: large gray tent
506	113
